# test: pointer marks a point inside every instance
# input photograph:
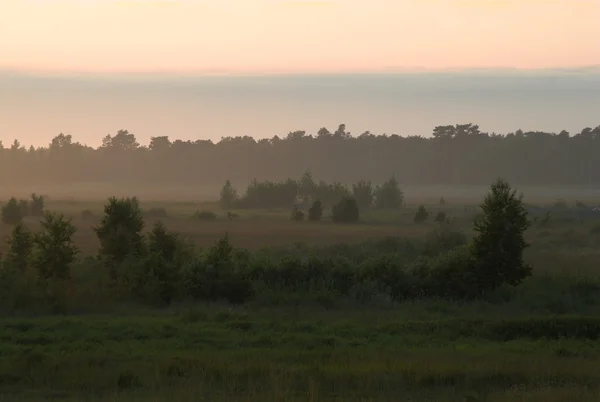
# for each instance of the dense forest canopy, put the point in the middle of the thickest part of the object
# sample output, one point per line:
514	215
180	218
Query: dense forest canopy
452	155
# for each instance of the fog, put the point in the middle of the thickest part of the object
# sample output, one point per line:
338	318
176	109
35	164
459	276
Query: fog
35	108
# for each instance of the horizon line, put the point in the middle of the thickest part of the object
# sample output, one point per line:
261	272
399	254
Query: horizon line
281	72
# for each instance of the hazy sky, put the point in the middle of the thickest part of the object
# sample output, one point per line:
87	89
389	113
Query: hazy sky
278	35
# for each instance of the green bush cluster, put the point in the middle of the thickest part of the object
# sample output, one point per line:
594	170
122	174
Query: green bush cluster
282	194
15	210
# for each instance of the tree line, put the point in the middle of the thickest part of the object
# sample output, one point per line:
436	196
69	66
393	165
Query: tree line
303	192
454	154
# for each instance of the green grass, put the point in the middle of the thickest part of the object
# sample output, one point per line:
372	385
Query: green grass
243	356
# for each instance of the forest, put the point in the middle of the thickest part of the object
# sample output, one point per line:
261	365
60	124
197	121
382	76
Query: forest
446	156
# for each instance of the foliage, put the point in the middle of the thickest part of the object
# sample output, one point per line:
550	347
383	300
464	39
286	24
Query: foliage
54	247
389	195
421	215
461	146
499	243
363	194
345	211
11	212
442	240
440	217
315	212
24	207
36	205
120	231
205	216
297	215
228	195
213	276
20	245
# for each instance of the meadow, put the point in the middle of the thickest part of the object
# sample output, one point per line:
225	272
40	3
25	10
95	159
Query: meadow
534	342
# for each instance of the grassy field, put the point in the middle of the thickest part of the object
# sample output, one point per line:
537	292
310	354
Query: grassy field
538	342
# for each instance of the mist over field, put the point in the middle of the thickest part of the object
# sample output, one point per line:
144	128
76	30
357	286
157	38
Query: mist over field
35	108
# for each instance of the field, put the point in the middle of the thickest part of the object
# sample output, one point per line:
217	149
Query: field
535	342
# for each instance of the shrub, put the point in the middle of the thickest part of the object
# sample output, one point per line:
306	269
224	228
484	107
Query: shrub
24	207
213	276
346	211
152	278
205	216
448	275
297	215
20	246
499	244
55	250
120	232
36	206
363	194
442	240
389	195
440	217
229	195
12	212
315	212
421	215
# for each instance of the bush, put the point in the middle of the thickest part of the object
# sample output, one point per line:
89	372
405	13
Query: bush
213	276
363	194
315	212
389	195
443	239
229	195
440	217
12	213
55	250
421	215
120	232
205	216
448	275
297	215
36	207
20	249
24	207
499	244
346	211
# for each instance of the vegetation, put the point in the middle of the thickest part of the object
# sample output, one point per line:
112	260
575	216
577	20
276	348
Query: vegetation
421	215
261	308
447	157
12	212
205	215
345	211
315	212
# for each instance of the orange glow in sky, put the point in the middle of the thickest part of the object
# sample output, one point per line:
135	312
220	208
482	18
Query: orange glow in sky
278	35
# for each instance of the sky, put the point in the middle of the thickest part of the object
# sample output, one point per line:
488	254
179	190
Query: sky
261	36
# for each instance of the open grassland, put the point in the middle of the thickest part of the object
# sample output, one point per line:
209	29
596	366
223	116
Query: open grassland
254	229
536	342
217	355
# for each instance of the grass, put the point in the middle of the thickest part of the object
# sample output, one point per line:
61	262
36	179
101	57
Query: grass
243	356
539	343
